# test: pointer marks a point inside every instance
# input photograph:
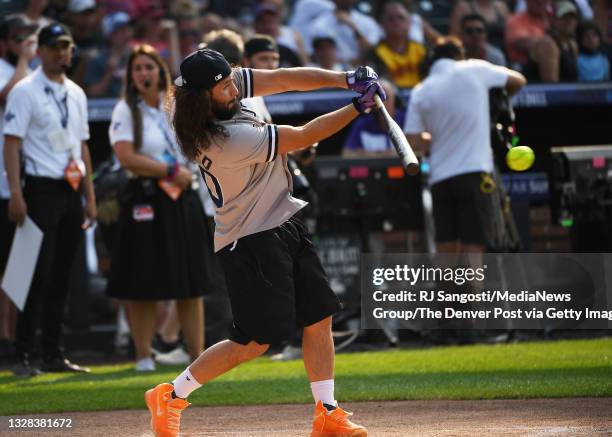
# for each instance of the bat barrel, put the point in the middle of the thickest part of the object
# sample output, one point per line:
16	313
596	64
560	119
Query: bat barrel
412	168
399	141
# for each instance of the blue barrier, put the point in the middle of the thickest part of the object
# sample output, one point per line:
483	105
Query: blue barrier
319	102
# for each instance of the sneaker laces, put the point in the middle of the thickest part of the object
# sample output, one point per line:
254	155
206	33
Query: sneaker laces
343	414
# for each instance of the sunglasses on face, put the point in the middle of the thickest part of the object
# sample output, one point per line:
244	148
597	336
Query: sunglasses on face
19	38
474	30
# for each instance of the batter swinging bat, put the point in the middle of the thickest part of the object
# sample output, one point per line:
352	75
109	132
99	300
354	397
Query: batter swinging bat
398	139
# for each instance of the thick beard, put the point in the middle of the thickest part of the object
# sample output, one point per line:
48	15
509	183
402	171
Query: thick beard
223	112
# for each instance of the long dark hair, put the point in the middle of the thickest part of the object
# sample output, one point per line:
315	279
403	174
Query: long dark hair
131	93
193	120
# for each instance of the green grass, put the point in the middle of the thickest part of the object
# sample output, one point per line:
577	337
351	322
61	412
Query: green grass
524	370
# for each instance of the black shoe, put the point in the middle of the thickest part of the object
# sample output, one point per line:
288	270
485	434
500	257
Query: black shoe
61	364
6	350
22	367
159	346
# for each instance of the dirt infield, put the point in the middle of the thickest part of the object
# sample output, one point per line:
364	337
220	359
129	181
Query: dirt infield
537	417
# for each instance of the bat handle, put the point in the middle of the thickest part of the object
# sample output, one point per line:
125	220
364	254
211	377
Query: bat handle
378	101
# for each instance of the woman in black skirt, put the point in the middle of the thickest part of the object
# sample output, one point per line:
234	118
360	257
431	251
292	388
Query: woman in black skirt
164	245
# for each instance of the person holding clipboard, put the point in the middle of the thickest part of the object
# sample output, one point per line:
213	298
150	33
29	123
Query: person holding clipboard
46	119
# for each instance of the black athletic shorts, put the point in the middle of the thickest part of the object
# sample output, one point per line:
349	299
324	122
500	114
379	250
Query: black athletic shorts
276	283
462	210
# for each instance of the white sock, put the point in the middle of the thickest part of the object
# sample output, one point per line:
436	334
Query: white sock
323	391
185	383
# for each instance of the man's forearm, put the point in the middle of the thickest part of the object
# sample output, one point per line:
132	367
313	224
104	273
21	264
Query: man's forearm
326	125
12	145
89	188
21	71
296	79
295	138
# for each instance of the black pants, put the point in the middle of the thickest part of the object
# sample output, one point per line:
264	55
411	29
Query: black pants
56	209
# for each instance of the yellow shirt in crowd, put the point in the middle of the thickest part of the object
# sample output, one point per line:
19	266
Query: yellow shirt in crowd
403	67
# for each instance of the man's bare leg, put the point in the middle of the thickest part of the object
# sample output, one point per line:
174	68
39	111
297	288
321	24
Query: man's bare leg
318	347
222	357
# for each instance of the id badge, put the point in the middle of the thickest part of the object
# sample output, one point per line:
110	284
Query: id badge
143	213
73	173
59	141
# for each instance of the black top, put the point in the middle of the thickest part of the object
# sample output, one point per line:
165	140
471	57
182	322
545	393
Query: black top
568	64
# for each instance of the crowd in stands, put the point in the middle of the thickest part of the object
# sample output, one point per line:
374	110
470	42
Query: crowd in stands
547	40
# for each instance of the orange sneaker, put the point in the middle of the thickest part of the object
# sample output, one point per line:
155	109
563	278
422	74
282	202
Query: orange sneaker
334	423
165	411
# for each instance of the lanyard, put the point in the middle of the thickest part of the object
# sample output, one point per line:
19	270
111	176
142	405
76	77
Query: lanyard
62	105
163	126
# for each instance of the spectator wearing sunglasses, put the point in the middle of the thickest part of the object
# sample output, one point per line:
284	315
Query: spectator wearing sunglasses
493	12
475	41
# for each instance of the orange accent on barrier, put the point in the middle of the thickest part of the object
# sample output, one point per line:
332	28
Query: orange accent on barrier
395	172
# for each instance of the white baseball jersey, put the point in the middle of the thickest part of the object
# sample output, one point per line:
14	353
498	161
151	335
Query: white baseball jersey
249	184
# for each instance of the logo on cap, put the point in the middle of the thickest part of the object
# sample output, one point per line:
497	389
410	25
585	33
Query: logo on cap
203	69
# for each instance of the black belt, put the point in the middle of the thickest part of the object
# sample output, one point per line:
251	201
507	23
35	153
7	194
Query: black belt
42	181
45	180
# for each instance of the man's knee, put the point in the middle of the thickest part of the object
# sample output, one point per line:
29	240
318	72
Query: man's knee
321	325
253	350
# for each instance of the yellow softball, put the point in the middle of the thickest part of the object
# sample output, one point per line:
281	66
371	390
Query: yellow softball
520	158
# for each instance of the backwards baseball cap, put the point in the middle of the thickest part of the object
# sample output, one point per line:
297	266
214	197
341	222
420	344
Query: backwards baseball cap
54	33
564	8
260	43
322	38
203	69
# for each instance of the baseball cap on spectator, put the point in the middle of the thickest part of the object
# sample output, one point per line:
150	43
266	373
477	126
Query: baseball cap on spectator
10	26
564	8
266	8
203	69
54	33
320	39
78	6
260	43
115	21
